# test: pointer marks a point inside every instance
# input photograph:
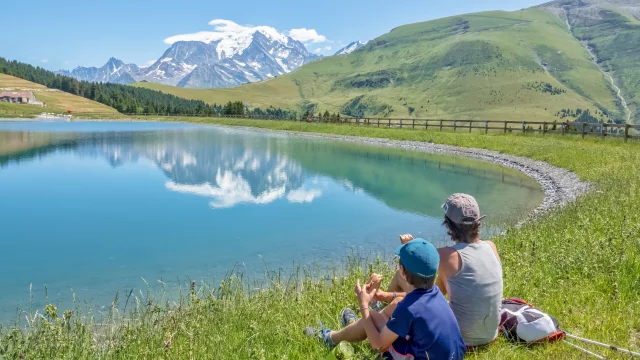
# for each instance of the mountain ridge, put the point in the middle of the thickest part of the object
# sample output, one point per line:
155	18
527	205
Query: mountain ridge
521	65
350	48
215	62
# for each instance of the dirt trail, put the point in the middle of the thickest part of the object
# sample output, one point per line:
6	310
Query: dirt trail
595	61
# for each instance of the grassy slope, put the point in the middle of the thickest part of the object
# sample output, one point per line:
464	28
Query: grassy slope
57	101
579	263
262	94
612	30
615	38
473	66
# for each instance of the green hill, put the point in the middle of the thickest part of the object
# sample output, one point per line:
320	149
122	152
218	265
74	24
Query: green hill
57	101
524	65
610	29
81	96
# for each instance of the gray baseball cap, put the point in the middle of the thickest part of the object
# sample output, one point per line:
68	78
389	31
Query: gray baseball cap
462	209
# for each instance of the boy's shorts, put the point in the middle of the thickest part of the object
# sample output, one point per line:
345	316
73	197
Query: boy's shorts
400	350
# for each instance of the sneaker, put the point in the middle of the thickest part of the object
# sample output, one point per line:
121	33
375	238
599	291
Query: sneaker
348	317
321	333
377	307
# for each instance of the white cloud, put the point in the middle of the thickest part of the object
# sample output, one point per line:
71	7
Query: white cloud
303	196
226	29
320	50
44	60
149	62
229	30
307	35
226	26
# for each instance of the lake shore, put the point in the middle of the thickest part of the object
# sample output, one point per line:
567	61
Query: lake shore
578	262
560	186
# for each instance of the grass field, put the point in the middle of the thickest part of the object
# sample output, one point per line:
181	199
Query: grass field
522	65
579	263
612	32
57	101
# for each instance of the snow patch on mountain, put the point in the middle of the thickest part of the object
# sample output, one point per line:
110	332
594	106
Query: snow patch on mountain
351	48
230	55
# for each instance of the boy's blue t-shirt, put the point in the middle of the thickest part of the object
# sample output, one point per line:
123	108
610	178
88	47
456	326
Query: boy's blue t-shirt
426	328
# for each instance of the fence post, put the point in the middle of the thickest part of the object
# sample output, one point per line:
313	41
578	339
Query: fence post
505	127
524	127
413	123
563	127
604	130
440	125
584	129
426	124
400	123
544	128
455	125
470	123
389	123
486	127
626	132
378	122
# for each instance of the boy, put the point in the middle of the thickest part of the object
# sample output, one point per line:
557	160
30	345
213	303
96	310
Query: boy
422	325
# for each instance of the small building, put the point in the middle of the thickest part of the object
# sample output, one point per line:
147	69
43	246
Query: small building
22	97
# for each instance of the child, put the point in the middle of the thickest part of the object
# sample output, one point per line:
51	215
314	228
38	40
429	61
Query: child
422	325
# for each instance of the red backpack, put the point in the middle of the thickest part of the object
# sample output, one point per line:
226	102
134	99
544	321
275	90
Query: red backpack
521	322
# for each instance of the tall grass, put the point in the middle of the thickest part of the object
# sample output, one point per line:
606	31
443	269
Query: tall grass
580	263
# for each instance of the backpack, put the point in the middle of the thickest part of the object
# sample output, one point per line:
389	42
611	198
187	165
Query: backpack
521	322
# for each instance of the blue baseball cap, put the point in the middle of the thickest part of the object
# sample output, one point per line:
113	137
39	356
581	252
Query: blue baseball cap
419	257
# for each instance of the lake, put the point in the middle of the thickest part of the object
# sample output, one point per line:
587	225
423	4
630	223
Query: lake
95	208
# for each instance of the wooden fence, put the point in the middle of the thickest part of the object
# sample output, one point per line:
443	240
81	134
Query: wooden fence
544	127
581	128
626	131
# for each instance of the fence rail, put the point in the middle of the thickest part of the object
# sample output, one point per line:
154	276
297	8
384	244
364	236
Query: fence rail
627	131
568	127
582	128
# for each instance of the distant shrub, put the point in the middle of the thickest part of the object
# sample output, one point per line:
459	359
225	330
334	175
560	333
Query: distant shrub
543	87
372	80
361	106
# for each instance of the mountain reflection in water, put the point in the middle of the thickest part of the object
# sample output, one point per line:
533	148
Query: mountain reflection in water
231	167
97	207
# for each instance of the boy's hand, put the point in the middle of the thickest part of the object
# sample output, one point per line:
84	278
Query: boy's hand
364	294
406	238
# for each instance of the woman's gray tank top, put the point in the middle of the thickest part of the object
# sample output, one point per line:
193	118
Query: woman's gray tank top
475	293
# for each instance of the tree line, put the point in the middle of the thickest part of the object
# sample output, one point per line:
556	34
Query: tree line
130	99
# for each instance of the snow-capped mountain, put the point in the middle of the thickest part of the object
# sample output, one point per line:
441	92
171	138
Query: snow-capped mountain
351	48
226	61
114	71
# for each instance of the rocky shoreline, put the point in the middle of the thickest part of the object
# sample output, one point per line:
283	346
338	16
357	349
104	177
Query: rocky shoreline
560	186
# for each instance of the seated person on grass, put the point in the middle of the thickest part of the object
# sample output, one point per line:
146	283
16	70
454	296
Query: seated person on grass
422	325
470	273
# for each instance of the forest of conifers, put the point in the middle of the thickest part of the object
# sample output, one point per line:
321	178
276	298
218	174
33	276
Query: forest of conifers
129	99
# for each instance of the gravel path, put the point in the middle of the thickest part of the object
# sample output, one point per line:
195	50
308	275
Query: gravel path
560	186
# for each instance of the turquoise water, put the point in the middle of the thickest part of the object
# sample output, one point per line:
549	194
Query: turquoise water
92	209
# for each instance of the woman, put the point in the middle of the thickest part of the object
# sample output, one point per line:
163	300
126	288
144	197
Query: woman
470	273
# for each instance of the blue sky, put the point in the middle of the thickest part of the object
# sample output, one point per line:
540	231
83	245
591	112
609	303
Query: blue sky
66	34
